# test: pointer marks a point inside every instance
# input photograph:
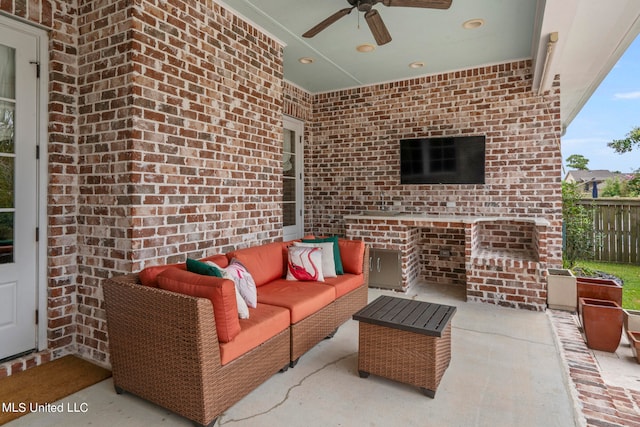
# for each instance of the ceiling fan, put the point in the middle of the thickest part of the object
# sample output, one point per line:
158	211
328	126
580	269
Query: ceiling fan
373	18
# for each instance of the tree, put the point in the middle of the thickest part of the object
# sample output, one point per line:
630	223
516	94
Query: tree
577	222
634	186
614	187
577	161
626	145
620	187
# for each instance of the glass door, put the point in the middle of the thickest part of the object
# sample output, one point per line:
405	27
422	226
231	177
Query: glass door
18	191
7	152
292	179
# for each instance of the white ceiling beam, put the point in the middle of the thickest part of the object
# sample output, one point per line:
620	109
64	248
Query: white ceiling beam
555	19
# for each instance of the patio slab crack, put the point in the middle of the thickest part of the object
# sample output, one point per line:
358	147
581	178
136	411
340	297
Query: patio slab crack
499	334
222	422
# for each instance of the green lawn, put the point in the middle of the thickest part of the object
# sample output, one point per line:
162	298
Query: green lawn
627	272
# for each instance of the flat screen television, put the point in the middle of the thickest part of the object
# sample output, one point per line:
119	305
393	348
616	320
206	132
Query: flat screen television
446	160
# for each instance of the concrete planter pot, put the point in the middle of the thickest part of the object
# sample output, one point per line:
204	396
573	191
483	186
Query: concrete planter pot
631	320
604	289
602	323
561	290
634	340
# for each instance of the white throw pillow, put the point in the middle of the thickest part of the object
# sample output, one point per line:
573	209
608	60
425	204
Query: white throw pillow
305	264
328	261
243	308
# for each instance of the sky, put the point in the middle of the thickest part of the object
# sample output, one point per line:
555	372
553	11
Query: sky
611	112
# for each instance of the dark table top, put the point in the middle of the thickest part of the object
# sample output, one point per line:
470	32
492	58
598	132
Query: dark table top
408	315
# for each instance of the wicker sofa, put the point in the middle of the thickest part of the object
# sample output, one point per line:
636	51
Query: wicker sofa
166	347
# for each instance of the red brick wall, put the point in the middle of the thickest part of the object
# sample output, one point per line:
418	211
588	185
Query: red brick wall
180	147
442	255
298	104
356	133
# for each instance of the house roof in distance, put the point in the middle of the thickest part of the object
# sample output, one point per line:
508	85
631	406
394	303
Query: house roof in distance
598	175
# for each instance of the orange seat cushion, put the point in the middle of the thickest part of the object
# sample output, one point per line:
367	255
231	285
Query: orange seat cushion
345	283
302	299
352	255
221	293
149	276
263	262
264	322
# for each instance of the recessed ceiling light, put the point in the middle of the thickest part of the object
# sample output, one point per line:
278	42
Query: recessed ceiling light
367	47
472	24
416	64
305	60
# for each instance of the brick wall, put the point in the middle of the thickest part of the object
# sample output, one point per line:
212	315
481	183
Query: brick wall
104	128
442	254
180	147
355	155
298	104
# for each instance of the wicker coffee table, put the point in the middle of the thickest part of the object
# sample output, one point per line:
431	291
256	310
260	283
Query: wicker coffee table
405	340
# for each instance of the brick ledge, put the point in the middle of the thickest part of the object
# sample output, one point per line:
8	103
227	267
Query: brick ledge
595	402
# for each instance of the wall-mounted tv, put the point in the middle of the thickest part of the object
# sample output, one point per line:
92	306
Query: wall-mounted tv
445	160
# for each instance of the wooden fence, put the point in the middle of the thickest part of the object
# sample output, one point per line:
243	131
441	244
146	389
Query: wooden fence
617	227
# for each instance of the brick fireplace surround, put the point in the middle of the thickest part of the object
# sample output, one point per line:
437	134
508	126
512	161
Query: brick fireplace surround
164	141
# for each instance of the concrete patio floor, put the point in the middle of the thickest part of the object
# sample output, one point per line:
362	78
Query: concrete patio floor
506	370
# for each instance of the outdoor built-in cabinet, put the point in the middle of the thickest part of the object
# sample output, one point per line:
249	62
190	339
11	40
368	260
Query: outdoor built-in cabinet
385	269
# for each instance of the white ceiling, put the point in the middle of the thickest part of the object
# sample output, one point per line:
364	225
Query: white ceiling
592	36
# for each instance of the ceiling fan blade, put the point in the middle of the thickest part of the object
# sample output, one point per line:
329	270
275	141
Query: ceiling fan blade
330	20
431	4
377	27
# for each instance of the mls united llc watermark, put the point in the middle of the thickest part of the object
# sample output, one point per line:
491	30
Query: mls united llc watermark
23	407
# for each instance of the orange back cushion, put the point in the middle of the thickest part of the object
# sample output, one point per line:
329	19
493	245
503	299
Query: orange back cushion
352	255
149	276
221	293
264	262
220	260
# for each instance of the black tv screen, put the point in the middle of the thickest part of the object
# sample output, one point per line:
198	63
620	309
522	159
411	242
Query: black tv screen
447	160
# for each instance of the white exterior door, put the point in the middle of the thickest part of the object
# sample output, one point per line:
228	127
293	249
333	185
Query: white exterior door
293	194
19	52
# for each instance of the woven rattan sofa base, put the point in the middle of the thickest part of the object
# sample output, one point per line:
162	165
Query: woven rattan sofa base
404	356
348	304
323	324
164	348
311	330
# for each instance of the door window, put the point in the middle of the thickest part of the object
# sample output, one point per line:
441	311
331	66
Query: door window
7	152
289	177
292	165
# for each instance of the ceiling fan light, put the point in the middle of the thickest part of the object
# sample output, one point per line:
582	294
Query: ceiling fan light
365	48
472	24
